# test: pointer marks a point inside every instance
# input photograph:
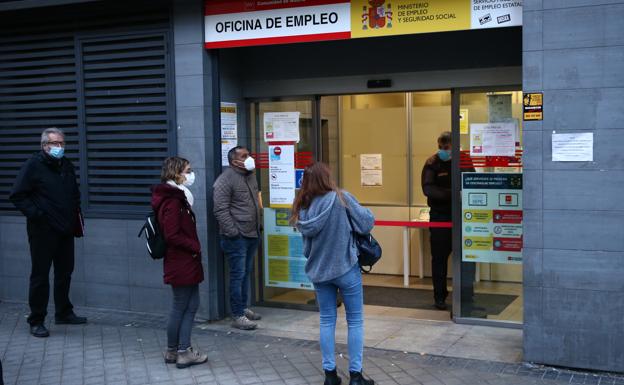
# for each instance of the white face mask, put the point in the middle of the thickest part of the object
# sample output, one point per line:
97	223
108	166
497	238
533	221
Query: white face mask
250	164
190	179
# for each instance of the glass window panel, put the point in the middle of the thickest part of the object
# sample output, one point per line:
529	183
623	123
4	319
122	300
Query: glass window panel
497	287
375	124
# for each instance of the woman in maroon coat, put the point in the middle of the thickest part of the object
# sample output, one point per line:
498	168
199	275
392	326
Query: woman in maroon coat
172	202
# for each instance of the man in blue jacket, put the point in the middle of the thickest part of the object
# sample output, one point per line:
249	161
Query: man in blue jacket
46	192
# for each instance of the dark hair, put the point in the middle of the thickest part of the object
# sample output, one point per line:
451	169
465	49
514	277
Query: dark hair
317	180
445	138
232	153
172	169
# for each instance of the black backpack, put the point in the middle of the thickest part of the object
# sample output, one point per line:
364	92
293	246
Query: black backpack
369	250
154	241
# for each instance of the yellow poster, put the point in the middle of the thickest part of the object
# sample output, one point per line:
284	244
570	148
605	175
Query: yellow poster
480	216
278	245
278	270
463	121
477	243
370	18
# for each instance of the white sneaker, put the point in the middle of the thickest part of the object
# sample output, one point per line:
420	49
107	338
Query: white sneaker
243	323
251	315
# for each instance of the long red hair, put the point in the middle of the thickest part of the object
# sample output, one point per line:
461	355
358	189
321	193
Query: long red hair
317	180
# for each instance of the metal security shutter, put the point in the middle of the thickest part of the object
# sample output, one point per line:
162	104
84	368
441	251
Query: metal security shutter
126	117
110	103
37	90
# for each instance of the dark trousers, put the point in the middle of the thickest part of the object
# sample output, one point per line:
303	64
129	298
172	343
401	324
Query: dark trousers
185	305
441	248
47	247
240	252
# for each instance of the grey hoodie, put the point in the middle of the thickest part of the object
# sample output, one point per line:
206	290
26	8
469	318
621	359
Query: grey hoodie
327	240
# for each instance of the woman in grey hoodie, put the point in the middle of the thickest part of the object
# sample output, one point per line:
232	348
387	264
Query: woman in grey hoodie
320	214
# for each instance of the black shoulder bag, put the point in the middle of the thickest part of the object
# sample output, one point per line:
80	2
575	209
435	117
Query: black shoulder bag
369	250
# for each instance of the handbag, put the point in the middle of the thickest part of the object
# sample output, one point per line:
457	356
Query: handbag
369	250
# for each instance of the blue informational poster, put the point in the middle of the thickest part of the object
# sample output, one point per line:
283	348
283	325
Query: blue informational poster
284	263
492	217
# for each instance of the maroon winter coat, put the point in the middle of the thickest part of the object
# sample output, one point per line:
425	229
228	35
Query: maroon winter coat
182	263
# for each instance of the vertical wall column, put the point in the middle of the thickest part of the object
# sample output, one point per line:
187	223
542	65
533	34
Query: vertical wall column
196	110
573	51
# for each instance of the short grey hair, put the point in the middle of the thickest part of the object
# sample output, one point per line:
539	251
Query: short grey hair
45	135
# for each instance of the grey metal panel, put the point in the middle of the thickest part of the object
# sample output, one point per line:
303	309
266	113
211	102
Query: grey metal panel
413	81
104	72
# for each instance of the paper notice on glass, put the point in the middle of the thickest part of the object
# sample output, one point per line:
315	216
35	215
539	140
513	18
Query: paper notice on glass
370	162
463	121
371	178
226	146
493	139
281	175
499	107
229	126
281	127
573	147
371	169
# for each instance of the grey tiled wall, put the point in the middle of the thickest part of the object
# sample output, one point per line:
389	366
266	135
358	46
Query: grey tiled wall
112	268
574	228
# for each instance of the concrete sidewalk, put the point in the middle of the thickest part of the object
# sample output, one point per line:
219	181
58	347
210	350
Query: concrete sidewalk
388	328
126	348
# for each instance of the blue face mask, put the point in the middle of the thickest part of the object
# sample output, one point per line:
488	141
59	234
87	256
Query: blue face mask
445	155
57	152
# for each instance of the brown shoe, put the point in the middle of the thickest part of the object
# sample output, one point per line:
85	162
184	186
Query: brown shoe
171	356
190	357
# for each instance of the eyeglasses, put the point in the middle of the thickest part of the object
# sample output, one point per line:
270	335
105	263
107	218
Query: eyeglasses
56	143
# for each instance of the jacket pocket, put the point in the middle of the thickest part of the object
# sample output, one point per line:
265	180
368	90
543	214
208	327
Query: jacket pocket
242	217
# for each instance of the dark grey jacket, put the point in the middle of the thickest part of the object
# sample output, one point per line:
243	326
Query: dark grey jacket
236	203
45	189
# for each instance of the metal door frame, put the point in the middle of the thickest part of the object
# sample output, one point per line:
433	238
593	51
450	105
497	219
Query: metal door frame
257	282
457	217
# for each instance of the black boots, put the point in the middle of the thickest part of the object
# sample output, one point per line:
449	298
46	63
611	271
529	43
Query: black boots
358	379
331	378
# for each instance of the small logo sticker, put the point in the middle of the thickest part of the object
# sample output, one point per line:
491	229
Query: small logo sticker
485	19
503	19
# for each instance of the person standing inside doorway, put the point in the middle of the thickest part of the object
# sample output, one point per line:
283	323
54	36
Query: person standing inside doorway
237	209
436	185
46	192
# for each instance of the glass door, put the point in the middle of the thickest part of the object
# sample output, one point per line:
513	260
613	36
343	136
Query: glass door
280	277
490	220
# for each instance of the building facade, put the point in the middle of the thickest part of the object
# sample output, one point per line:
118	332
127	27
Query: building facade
133	83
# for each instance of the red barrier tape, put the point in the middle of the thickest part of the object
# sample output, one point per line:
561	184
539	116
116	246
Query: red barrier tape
446	225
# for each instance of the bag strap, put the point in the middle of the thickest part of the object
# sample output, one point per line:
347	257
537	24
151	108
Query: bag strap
350	219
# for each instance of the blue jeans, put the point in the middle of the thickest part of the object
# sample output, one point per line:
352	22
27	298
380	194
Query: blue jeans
350	286
240	252
185	305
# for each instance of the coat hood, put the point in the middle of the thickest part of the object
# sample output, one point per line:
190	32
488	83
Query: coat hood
313	219
163	191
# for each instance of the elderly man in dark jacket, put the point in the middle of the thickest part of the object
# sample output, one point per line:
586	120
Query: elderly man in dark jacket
237	208
46	192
